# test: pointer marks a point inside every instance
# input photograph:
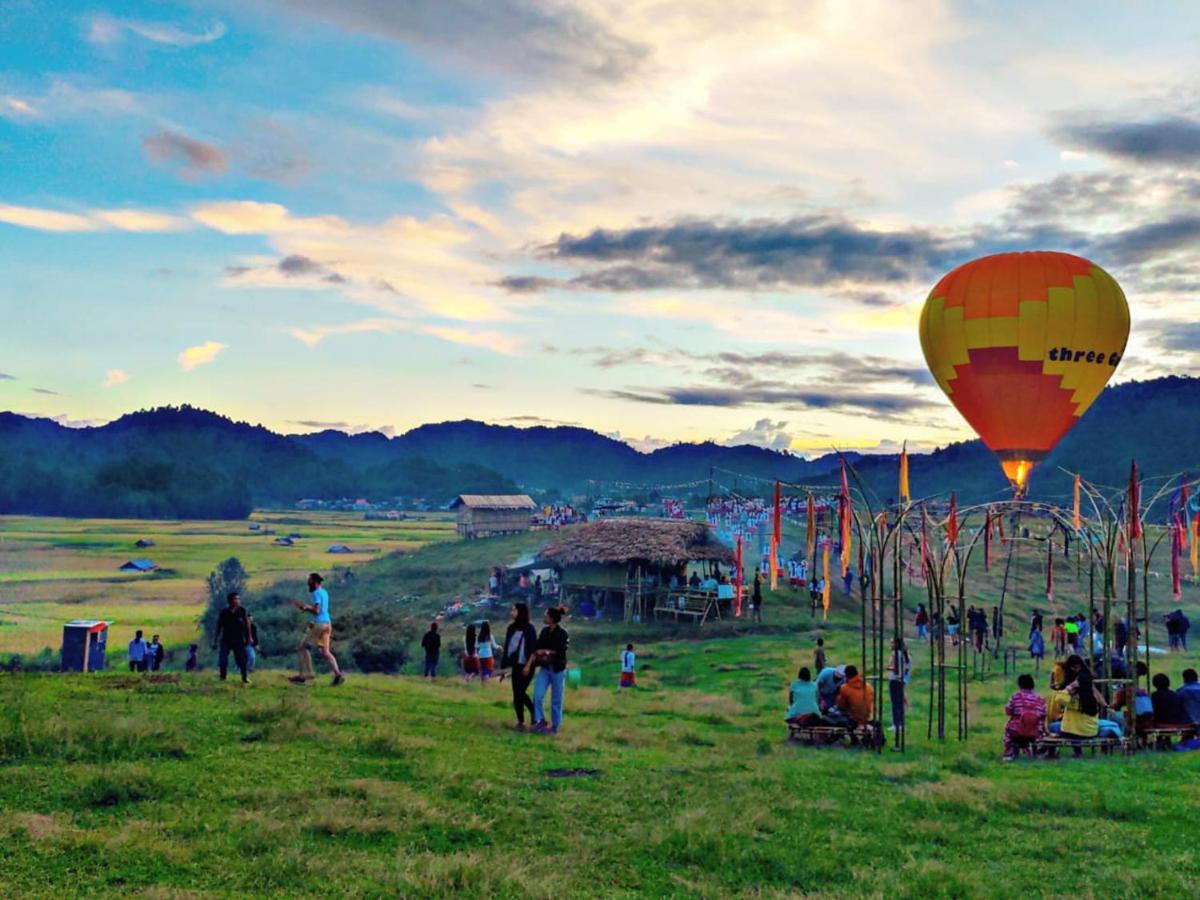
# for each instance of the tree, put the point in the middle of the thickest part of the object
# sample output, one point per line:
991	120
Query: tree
229	577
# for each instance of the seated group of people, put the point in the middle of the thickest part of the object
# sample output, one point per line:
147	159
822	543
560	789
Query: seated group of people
839	697
1078	710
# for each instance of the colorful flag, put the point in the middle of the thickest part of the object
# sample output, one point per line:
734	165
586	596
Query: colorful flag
1195	526
773	562
1176	553
905	496
952	521
810	524
825	569
778	523
987	541
844	513
1050	567
1135	503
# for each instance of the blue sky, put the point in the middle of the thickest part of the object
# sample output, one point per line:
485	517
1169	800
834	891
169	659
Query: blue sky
664	221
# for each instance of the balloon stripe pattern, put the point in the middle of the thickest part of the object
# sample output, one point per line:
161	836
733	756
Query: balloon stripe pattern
1022	344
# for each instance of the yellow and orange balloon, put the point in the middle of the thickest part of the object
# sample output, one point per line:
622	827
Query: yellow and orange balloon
1022	343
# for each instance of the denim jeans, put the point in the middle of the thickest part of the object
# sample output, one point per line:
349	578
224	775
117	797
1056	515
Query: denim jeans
923	632
431	661
556	682
251	657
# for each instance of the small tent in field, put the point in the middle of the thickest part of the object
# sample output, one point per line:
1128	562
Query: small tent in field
339	548
284	541
139	565
145	543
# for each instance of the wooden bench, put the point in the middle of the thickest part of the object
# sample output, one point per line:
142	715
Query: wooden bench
1049	745
698	605
1163	738
867	736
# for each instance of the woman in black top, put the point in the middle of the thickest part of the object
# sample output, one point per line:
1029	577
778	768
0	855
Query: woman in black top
520	642
551	660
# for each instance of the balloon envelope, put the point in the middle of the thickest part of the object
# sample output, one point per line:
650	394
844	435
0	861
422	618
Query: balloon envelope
1022	344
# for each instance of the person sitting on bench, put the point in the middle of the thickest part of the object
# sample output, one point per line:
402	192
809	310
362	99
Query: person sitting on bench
828	682
855	698
1169	711
1143	708
1026	712
802	701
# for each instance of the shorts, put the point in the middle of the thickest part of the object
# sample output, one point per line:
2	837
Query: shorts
487	665
628	679
318	635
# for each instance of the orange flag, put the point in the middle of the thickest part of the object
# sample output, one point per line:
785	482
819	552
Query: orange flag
905	495
810	524
825	595
952	521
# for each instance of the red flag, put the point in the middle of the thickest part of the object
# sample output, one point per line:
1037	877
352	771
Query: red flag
1135	503
1183	509
778	514
1176	553
1000	529
1050	567
987	542
810	522
924	542
952	521
844	513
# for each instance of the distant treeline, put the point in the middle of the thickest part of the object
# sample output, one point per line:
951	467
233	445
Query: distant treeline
189	464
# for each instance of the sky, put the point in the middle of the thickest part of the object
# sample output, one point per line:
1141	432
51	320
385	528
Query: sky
665	221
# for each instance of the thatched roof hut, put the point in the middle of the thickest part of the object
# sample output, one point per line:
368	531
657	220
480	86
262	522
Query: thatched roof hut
656	542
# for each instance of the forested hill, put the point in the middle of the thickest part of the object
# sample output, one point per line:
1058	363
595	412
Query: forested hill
188	463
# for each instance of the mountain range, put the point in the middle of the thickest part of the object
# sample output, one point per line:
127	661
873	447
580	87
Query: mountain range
183	462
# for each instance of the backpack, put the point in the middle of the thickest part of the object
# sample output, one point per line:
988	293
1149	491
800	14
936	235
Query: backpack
1029	725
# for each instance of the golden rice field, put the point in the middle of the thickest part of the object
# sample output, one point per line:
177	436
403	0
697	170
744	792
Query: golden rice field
53	570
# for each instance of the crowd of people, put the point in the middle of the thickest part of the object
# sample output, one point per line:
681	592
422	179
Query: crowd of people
1076	709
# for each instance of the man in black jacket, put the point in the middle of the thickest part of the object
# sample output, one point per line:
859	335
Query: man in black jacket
551	660
233	632
432	645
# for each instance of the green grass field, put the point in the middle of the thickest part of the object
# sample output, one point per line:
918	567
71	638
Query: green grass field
55	570
389	786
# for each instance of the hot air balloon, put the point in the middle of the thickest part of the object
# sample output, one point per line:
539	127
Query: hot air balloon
1022	343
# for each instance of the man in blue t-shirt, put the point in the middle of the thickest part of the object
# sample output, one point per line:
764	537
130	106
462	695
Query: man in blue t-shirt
139	650
318	633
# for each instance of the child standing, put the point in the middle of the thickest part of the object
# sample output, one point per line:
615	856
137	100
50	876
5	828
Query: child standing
628	667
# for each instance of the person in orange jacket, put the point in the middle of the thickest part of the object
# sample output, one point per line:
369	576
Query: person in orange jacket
855	698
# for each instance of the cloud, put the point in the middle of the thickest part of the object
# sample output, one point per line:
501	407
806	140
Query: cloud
764	433
105	30
880	405
4	376
526	284
114	377
524	38
195	159
47	392
540	420
808	251
1169	139
313	335
132	220
17	109
200	355
321	426
46	219
1172	335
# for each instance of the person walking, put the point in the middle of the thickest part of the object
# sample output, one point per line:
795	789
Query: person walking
551	662
252	647
138	651
155	654
431	643
819	656
470	660
318	634
899	668
628	668
485	650
233	633
756	597
520	642
921	621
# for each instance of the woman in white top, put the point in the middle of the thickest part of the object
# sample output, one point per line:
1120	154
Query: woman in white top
486	649
628	667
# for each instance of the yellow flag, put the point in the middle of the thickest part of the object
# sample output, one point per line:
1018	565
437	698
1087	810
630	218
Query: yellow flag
1196	546
905	495
825	595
